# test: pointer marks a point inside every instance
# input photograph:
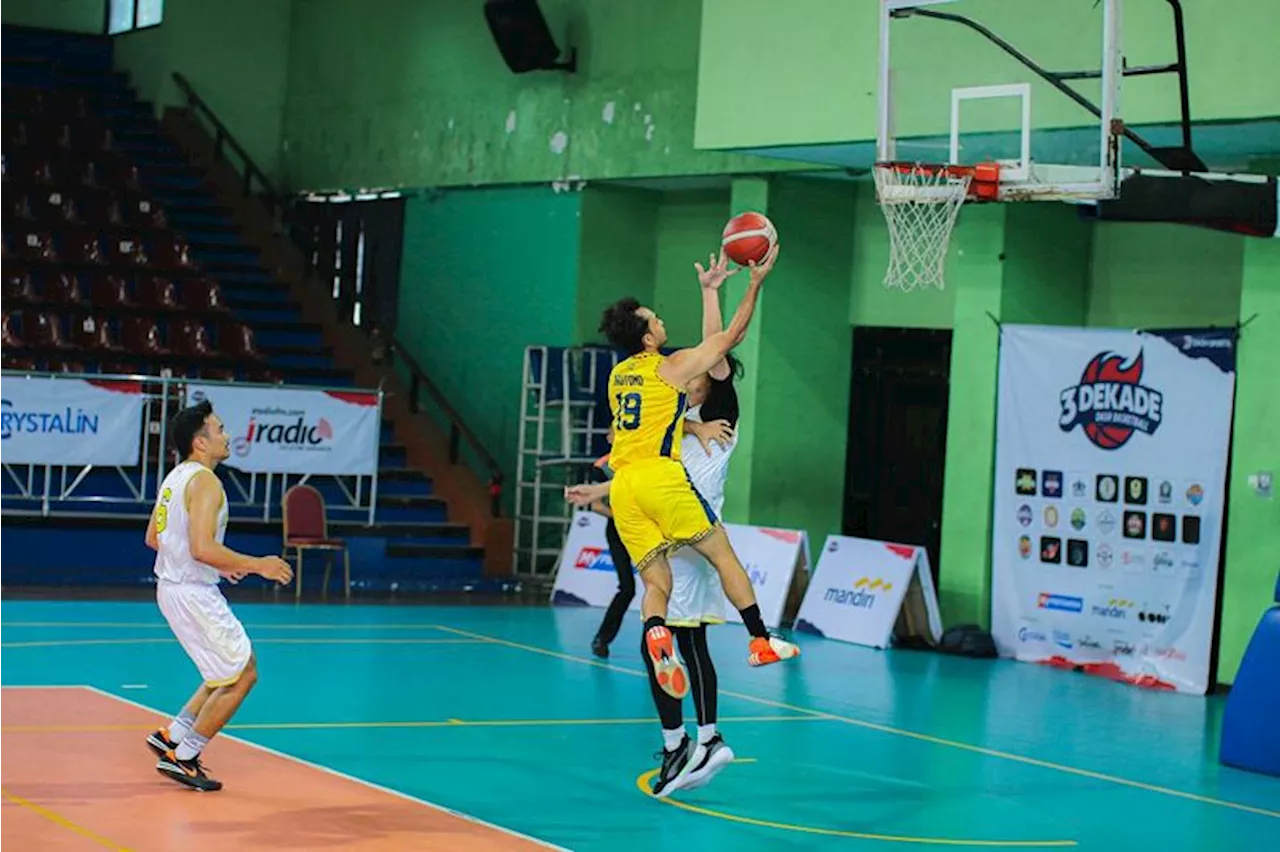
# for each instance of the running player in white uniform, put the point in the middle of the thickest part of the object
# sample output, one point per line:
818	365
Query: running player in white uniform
186	530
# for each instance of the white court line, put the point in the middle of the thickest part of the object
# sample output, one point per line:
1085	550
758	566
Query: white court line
334	772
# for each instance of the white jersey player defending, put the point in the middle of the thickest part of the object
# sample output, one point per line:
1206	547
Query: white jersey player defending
186	530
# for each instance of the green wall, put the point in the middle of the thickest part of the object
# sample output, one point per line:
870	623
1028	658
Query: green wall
618	255
1228	41
77	16
688	230
235	53
417	94
486	273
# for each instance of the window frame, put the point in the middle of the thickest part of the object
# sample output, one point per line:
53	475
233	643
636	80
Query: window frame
107	8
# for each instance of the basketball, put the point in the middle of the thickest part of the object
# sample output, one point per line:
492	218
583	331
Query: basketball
748	238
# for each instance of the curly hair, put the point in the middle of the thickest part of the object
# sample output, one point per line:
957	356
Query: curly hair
623	327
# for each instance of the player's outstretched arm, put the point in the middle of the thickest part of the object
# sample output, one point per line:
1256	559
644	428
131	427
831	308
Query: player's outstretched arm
684	365
204	499
710	280
585	495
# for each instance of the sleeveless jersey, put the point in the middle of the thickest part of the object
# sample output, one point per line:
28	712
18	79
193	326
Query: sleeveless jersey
708	473
648	413
174	562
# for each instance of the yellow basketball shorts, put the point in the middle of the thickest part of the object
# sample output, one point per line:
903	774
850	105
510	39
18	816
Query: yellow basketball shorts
657	509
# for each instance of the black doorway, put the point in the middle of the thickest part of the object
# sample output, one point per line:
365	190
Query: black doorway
898	436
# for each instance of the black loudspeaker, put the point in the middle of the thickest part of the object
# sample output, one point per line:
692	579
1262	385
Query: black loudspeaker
522	36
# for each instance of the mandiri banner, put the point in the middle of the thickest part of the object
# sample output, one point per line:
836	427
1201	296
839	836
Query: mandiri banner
288	430
585	574
71	421
1110	477
860	587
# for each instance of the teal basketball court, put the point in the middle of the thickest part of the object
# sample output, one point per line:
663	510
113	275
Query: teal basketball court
500	713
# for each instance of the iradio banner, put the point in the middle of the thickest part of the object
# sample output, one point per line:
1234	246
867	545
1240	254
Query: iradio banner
585	573
1111	456
71	421
288	430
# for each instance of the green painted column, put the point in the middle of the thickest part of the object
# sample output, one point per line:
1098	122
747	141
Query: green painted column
748	193
801	424
974	271
1249	578
1023	263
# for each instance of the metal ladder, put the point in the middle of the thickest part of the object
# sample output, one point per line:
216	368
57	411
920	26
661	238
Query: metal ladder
564	421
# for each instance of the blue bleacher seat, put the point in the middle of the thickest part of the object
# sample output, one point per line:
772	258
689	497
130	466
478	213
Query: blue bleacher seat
1251	723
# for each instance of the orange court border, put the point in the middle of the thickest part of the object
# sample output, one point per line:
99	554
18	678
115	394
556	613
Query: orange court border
108	796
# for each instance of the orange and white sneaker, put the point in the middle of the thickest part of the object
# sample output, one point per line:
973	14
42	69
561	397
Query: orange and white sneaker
771	649
670	673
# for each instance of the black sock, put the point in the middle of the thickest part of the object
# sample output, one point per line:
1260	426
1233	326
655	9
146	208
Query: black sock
669	710
703	682
654	621
755	624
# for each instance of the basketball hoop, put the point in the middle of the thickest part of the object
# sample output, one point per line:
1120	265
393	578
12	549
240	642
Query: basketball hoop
920	203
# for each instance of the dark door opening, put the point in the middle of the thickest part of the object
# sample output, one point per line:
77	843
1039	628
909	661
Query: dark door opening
898	436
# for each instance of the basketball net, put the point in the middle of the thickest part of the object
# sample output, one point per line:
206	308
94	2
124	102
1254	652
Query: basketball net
920	205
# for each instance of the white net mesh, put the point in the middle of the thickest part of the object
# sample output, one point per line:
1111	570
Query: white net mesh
920	205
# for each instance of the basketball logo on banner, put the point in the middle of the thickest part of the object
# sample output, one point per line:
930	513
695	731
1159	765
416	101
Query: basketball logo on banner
1111	455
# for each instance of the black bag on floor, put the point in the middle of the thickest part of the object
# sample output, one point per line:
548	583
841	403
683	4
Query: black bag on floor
968	640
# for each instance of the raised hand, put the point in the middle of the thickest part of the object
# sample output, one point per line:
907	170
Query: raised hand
760	270
716	272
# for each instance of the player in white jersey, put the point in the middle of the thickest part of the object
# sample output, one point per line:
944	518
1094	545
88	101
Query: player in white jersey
186	530
697	595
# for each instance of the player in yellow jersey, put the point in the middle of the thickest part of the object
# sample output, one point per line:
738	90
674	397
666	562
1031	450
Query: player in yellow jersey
655	506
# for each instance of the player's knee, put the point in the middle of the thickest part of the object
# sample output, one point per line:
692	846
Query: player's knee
717	550
249	677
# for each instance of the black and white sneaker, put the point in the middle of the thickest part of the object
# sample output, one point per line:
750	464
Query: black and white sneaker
717	755
676	765
189	773
159	742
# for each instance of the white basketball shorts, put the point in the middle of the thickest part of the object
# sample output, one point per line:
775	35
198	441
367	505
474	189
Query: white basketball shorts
696	595
204	625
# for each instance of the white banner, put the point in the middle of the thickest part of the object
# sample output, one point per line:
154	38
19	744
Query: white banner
586	575
278	430
859	587
1111	456
70	421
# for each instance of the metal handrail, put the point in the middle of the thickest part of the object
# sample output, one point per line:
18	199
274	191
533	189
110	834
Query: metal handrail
458	430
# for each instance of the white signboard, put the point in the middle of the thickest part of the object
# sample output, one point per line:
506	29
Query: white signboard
279	430
1111	457
585	574
70	421
859	587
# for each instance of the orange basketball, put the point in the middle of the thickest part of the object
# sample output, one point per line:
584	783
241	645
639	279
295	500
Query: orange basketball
748	238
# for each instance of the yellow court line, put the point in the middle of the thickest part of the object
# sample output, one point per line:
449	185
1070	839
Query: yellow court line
167	640
886	729
643	783
434	723
59	819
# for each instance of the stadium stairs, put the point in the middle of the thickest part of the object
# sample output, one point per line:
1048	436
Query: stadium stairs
188	272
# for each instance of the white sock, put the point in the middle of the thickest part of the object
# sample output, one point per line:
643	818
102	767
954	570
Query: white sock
672	738
181	726
191	746
706	733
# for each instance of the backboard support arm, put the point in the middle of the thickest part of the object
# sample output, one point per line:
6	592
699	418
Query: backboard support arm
1175	159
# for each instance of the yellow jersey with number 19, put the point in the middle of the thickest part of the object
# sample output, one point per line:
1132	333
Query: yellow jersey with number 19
648	413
